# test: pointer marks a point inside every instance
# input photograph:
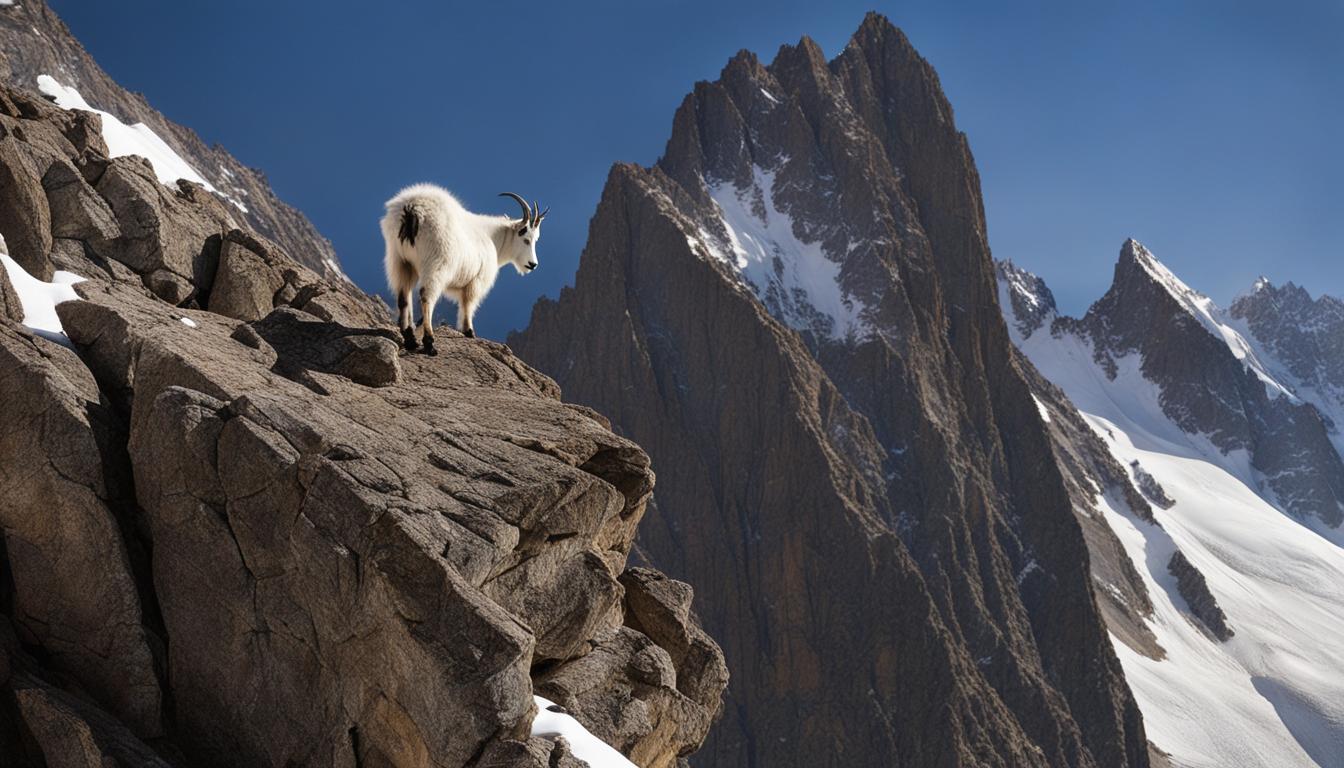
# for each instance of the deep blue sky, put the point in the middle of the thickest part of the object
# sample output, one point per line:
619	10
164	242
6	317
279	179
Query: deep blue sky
1211	131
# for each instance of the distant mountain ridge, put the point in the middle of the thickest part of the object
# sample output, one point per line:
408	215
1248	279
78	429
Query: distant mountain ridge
1217	547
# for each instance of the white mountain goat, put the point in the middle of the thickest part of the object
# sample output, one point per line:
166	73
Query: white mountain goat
433	239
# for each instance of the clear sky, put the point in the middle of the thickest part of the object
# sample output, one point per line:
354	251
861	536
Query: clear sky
1211	131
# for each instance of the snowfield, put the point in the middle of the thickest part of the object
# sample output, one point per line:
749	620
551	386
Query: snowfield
1273	695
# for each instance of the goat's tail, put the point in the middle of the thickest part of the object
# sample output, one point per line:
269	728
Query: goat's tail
410	225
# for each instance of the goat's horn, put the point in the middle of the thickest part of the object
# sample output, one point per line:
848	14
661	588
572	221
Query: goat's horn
543	214
527	212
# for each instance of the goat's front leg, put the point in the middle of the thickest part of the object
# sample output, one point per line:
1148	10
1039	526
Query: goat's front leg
429	296
466	308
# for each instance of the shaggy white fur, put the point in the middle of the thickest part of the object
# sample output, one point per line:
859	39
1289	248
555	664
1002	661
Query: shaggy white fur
432	239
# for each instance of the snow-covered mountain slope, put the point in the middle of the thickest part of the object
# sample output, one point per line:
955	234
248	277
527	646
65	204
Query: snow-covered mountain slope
1272	693
1215	381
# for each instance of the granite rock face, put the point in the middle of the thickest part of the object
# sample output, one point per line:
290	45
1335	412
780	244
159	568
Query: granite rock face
240	529
34	41
798	322
66	506
1306	334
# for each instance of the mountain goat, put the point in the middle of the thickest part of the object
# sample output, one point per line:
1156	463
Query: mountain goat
433	239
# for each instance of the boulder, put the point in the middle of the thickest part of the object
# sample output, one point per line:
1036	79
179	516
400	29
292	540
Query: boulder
305	343
71	732
245	286
76	209
256	276
76	256
533	753
25	218
660	607
174	243
625	692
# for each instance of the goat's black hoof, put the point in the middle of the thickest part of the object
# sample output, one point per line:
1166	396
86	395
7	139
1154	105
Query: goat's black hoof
408	338
469	333
429	347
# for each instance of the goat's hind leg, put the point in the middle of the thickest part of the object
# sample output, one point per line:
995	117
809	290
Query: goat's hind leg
466	309
403	276
429	296
404	320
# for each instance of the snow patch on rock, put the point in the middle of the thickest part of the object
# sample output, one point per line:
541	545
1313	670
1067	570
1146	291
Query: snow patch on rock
550	724
39	298
1040	406
797	281
122	139
138	139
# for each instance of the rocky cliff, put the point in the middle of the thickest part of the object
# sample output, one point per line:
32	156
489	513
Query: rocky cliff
35	42
239	529
795	312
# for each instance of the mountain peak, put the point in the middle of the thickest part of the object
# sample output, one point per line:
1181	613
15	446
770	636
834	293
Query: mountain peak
1137	253
877	27
744	62
810	255
1027	295
1137	261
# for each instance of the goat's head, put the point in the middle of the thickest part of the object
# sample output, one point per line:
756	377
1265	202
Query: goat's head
522	244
